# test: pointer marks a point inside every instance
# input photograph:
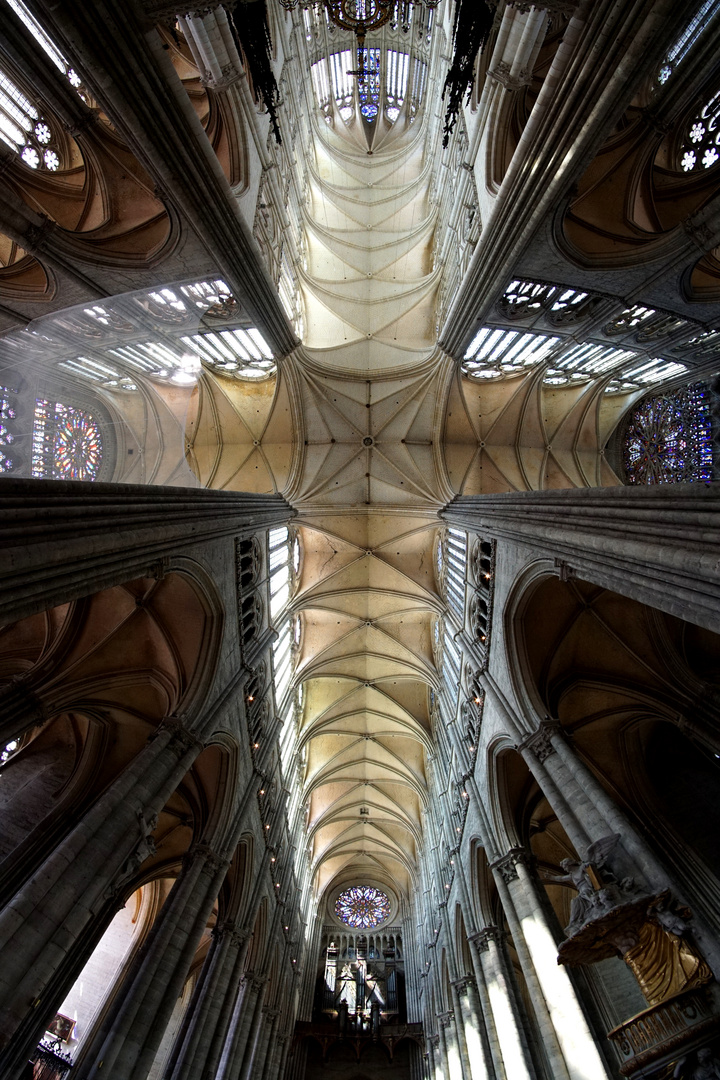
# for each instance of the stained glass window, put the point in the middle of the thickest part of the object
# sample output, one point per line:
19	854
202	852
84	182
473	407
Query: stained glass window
25	130
700	147
7	428
8	750
362	907
668	439
66	443
369	84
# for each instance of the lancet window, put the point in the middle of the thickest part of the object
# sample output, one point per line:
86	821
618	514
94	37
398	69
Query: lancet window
279	568
66	442
396	74
668	438
385	70
369	83
279	562
455	570
49	47
687	39
343	88
8	428
25	130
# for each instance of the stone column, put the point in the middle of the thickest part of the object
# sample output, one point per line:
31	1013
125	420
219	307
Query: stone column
64	539
659	545
253	1038
436	1059
191	1054
579	1057
468	1015
263	1043
588	813
506	1010
450	1047
131	1034
46	919
237	1037
276	1053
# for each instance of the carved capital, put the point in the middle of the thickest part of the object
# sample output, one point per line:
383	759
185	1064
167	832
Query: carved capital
481	940
236	937
445	1019
540	741
211	861
182	738
465	983
501	74
507	866
434	1041
254	982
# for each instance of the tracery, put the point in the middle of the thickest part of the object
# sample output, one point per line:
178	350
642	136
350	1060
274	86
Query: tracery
362	907
66	442
668	438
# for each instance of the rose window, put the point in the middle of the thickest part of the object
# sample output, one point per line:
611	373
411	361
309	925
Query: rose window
362	907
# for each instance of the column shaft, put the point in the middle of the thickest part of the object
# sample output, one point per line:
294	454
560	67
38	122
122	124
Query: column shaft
46	918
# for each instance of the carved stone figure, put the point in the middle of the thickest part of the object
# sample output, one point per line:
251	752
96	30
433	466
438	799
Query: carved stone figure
592	900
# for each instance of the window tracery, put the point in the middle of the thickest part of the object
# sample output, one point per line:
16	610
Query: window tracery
687	39
26	130
456	554
66	442
362	907
50	49
396	74
496	353
668	438
699	147
523	299
369	83
8	428
8	750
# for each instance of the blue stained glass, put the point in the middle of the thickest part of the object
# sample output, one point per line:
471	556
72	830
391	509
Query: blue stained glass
369	83
668	438
362	907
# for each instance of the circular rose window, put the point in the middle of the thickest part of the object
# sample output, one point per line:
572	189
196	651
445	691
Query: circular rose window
362	907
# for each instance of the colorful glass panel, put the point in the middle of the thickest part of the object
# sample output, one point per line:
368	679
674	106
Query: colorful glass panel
362	907
369	83
8	414
668	439
67	444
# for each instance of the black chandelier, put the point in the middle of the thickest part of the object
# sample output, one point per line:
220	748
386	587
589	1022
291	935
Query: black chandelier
359	16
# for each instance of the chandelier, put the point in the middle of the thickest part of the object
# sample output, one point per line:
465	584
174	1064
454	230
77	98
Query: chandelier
359	16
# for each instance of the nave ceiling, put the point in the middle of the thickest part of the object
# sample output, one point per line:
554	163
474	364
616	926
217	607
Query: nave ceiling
368	426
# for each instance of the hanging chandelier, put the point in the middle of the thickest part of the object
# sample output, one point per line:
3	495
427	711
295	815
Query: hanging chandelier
359	16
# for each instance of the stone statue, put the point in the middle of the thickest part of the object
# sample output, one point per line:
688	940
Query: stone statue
708	1066
592	900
